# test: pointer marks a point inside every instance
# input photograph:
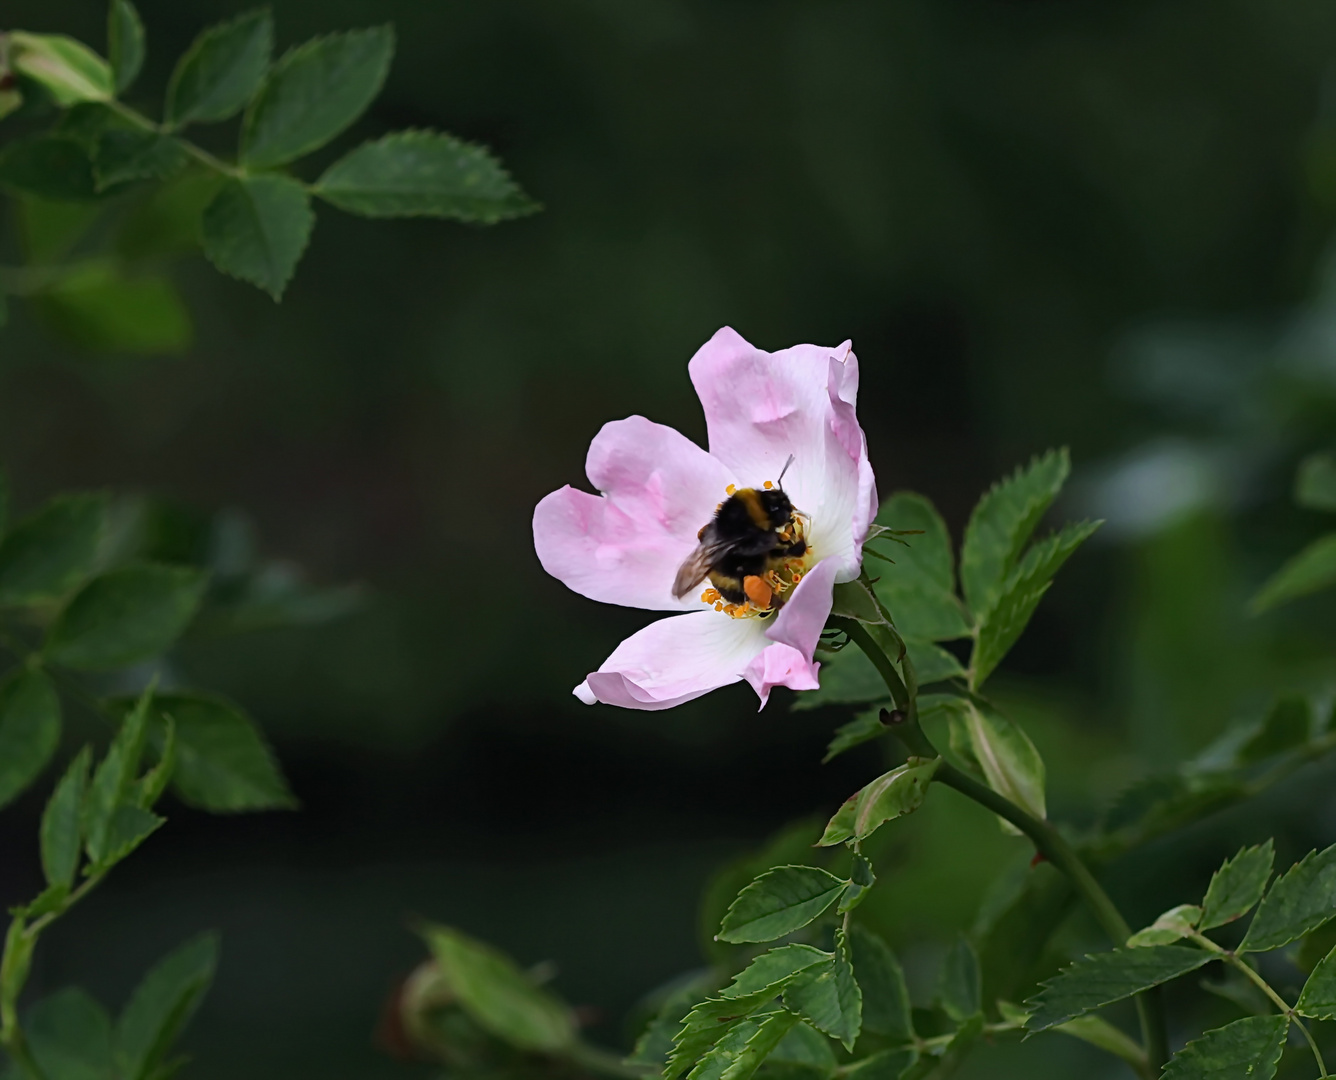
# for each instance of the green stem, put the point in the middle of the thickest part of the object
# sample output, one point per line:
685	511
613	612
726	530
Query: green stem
197	152
1237	962
1050	843
17	1048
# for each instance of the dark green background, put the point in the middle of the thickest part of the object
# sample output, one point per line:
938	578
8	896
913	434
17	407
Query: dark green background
1098	224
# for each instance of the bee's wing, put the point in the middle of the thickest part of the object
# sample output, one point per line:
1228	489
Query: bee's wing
694	569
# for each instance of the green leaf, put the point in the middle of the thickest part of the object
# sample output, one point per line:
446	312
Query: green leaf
154	782
1006	757
16	963
864	727
772	968
1247	1049
1315	484
886	1005
125	43
847	677
125	616
1237	886
222	762
1287	724
98	309
1174	925
69	70
1314	948
1318	999
62	823
711	1021
862	880
728	1048
1001	524
162	1005
1301	900
423	174
49	167
29	730
122	156
932	663
113	777
130	826
51	551
778	902
827	996
741	1063
1002	624
313	93
893	795
221	71
256	229
958	985
496	994
919	588
656	1041
806	1049
1313	569
1103	978
1099	1032
885	1065
69	1035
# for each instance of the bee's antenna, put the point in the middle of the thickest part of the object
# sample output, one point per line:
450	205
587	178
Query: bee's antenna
780	482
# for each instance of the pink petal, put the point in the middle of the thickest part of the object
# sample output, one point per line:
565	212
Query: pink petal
675	660
781	665
761	407
625	546
801	620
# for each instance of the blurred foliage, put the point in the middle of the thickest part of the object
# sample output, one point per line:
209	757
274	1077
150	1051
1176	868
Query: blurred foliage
1099	226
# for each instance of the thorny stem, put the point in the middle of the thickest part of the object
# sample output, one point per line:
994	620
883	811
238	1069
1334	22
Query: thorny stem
1235	961
1048	841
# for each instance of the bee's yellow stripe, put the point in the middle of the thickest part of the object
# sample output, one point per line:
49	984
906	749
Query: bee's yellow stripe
751	499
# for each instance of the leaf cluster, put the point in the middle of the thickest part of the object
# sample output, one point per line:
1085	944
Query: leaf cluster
252	215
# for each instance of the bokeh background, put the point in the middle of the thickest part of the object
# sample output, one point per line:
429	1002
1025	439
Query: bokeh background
1101	225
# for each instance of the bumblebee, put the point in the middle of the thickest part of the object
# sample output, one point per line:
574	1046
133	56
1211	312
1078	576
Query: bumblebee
747	550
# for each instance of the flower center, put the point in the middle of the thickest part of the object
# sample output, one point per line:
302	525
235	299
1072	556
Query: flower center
755	587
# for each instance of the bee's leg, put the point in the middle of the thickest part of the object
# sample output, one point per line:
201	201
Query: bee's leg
758	592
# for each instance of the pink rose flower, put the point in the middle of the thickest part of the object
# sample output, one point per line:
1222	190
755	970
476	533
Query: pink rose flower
658	489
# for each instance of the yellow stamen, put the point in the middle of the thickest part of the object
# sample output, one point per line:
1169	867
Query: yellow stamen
731	490
769	484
